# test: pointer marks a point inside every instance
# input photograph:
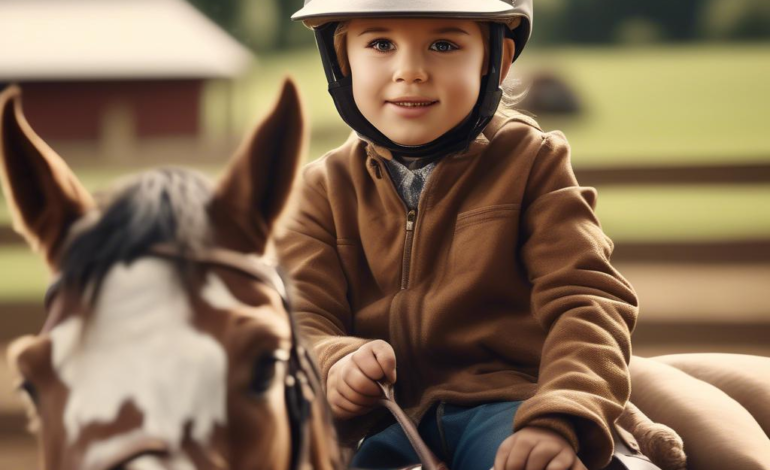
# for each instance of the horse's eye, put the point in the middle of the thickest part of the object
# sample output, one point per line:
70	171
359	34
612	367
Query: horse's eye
262	374
28	388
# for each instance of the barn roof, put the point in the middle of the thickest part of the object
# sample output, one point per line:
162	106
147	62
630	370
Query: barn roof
113	39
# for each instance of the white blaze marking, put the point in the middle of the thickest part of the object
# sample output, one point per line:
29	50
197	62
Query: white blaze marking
140	346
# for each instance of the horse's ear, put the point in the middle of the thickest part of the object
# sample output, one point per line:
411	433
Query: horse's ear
256	185
43	194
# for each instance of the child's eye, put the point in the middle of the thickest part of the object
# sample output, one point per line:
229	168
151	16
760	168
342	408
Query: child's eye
381	45
443	46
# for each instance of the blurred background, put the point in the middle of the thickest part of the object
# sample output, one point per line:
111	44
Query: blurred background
665	105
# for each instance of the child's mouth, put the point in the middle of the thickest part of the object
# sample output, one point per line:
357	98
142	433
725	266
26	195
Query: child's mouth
411	108
413	104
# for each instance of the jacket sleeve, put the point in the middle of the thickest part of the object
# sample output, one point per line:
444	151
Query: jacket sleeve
588	309
306	246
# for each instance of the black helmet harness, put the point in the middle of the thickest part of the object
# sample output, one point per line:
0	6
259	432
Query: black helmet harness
456	139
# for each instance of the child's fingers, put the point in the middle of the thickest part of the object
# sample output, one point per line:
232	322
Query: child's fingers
549	456
355	397
386	357
367	363
563	461
518	455
341	407
376	360
360	383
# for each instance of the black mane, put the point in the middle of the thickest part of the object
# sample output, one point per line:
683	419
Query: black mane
167	205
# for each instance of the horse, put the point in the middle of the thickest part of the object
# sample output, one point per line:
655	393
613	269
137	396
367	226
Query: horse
168	342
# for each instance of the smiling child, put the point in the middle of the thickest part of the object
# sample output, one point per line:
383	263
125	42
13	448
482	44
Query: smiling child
449	240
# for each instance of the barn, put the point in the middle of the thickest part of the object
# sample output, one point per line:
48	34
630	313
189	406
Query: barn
119	79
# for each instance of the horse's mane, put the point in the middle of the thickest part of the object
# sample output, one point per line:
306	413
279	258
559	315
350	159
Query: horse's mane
166	205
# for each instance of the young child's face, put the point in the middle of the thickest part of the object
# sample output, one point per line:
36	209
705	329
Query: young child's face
415	79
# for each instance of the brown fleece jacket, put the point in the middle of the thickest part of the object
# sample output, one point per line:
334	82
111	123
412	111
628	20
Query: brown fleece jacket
499	286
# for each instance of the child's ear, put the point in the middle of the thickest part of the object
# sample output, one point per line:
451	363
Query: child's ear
509	49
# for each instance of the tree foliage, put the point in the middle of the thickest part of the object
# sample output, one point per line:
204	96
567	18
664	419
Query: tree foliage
265	24
610	21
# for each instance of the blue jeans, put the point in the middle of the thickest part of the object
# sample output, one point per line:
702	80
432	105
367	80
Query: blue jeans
465	437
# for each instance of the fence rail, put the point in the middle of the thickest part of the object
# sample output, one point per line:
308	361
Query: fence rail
675	175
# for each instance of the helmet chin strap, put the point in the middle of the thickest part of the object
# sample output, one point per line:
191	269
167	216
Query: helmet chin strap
455	140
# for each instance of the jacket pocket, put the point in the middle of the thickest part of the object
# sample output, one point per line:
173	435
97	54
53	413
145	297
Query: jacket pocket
483	214
485	243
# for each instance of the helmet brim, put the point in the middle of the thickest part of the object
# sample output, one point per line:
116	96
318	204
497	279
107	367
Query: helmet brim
334	10
517	15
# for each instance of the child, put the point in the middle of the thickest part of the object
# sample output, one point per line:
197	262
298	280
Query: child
452	242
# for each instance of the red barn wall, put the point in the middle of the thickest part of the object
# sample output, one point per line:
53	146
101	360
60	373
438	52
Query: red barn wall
74	110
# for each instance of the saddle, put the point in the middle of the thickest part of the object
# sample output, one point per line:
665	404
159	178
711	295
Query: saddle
626	457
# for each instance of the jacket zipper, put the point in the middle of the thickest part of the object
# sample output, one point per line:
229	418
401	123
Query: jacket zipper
411	222
411	219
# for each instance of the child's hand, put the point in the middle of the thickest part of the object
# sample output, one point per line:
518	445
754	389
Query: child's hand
351	387
535	448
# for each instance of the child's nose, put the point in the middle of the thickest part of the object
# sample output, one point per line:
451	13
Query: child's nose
410	68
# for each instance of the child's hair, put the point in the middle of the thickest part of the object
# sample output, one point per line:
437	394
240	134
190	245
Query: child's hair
508	103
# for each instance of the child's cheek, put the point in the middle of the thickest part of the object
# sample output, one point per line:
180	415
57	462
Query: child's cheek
369	86
464	86
366	97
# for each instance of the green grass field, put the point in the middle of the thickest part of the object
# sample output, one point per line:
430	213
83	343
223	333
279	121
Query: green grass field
23	275
681	214
689	105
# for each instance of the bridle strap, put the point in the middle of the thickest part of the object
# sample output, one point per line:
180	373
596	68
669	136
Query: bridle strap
250	265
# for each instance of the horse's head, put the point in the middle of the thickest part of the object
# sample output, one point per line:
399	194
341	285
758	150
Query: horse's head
166	346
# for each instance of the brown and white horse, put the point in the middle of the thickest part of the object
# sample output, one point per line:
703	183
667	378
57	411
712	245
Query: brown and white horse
168	343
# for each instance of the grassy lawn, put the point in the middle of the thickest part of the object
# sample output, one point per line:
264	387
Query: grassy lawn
23	275
682	214
653	105
674	105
